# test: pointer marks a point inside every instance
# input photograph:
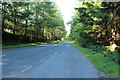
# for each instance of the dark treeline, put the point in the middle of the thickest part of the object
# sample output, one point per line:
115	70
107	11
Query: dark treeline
97	26
31	22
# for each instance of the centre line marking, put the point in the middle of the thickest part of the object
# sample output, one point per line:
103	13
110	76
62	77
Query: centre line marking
56	52
26	69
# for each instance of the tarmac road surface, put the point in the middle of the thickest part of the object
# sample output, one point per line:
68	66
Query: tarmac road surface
59	60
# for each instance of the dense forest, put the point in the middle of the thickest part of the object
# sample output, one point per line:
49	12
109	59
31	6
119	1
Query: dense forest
24	22
96	25
95	28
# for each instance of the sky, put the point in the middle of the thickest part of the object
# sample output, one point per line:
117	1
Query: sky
67	9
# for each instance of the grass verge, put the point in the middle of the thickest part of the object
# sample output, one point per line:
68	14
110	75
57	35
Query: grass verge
18	45
100	62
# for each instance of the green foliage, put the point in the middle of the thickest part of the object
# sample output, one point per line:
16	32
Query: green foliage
117	42
81	25
84	42
33	21
18	45
97	48
101	62
96	24
113	56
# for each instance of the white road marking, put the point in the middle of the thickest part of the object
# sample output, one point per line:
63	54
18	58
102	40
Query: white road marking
56	52
13	75
48	57
42	60
26	69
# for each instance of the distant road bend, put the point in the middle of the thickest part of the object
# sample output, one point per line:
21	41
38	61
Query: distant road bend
60	60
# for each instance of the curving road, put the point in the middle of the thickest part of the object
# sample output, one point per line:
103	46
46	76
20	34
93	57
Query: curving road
60	60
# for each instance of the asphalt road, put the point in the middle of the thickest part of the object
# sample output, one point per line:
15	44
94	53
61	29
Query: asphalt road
60	60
